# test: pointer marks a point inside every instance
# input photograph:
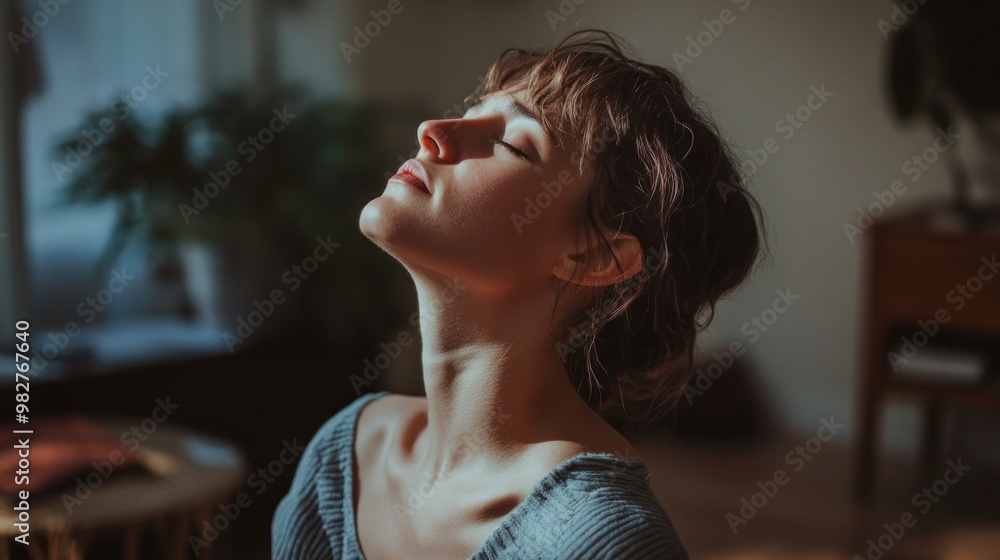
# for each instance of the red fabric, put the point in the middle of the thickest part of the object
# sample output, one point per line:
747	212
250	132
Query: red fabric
61	449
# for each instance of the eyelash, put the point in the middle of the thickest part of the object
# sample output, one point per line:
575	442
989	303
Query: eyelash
514	150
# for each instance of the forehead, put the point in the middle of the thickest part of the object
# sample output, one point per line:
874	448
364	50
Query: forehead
506	100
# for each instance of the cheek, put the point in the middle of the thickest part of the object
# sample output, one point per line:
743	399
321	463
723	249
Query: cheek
509	220
546	207
492	185
522	205
481	196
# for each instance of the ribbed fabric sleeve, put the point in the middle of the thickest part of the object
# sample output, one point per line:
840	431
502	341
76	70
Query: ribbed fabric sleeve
315	520
592	506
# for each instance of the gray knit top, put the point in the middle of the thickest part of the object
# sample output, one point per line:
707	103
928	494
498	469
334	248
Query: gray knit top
593	505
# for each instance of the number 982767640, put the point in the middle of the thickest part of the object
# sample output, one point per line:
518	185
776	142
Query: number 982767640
22	363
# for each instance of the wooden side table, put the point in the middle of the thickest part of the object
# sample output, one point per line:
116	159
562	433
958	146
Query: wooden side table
193	475
914	269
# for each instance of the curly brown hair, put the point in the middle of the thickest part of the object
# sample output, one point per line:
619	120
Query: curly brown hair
662	174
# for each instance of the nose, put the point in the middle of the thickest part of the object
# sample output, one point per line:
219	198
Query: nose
438	139
452	140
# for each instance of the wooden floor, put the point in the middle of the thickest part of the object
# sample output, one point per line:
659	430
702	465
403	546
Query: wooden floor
812	515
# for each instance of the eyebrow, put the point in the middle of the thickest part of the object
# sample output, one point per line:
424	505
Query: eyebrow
517	108
513	106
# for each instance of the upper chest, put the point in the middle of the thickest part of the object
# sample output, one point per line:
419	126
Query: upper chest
405	511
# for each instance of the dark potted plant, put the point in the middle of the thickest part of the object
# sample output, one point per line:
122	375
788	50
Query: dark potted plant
240	188
942	65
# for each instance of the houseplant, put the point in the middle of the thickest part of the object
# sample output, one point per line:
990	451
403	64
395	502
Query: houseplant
241	187
942	66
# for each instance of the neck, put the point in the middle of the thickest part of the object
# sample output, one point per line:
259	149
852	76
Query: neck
494	381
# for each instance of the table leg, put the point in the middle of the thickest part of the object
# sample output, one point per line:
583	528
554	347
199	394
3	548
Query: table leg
181	531
162	536
931	445
198	516
227	547
868	428
37	550
130	545
65	546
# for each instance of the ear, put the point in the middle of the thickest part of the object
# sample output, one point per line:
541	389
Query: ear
596	265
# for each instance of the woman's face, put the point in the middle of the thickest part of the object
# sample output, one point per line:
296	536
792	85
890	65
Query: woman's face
500	202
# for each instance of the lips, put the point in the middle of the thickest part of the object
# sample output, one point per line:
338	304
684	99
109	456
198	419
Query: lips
413	173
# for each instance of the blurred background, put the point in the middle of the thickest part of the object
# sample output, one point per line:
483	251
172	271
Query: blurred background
180	185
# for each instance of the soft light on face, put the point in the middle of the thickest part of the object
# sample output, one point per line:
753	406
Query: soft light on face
502	205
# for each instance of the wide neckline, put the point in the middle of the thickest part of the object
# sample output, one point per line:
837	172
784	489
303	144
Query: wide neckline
538	490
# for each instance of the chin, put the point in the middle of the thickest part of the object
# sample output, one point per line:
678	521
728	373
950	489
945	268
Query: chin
405	240
387	224
385	218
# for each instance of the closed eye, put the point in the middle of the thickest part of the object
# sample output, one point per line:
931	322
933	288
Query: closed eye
513	149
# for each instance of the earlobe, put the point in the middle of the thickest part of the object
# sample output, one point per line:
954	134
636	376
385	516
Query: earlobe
596	267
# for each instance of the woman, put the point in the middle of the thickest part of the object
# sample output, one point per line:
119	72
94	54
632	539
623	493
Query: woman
567	237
